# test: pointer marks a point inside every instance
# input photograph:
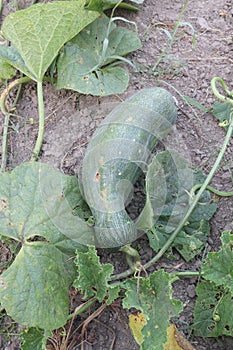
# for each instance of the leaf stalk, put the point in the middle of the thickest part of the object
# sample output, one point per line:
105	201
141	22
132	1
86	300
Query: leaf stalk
40	135
6	111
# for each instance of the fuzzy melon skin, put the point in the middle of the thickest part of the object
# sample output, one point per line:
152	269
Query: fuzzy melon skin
119	150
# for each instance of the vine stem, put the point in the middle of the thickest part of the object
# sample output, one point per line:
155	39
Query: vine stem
40	135
81	308
187	273
6	112
192	206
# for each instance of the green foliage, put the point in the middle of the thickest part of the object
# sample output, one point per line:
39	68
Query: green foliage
38	191
168	203
38	33
33	338
6	70
222	111
218	266
153	297
42	299
85	65
35	199
93	277
44	212
102	5
213	310
195	103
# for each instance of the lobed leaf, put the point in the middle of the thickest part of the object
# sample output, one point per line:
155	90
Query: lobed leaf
213	311
167	204
93	277
218	266
39	32
33	338
153	297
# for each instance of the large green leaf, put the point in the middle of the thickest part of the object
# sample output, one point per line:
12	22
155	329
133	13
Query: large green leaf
83	65
153	297
213	311
34	289
37	200
39	32
93	277
218	267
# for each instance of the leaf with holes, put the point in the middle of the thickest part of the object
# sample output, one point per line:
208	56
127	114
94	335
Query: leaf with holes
153	297
84	64
213	315
93	277
167	204
218	266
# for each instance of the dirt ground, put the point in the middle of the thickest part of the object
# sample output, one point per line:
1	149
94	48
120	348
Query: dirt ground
71	119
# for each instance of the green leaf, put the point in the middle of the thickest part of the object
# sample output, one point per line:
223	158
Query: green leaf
84	64
191	100
39	32
37	200
222	112
33	338
153	297
102	5
168	203
218	266
6	71
93	277
213	311
11	56
34	289
170	198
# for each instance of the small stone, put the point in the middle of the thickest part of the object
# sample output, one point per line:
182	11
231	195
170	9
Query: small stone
203	23
191	291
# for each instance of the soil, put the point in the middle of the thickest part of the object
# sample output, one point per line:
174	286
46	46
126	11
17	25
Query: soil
71	119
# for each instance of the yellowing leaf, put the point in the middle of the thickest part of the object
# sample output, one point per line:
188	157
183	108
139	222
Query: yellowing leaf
176	341
136	323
